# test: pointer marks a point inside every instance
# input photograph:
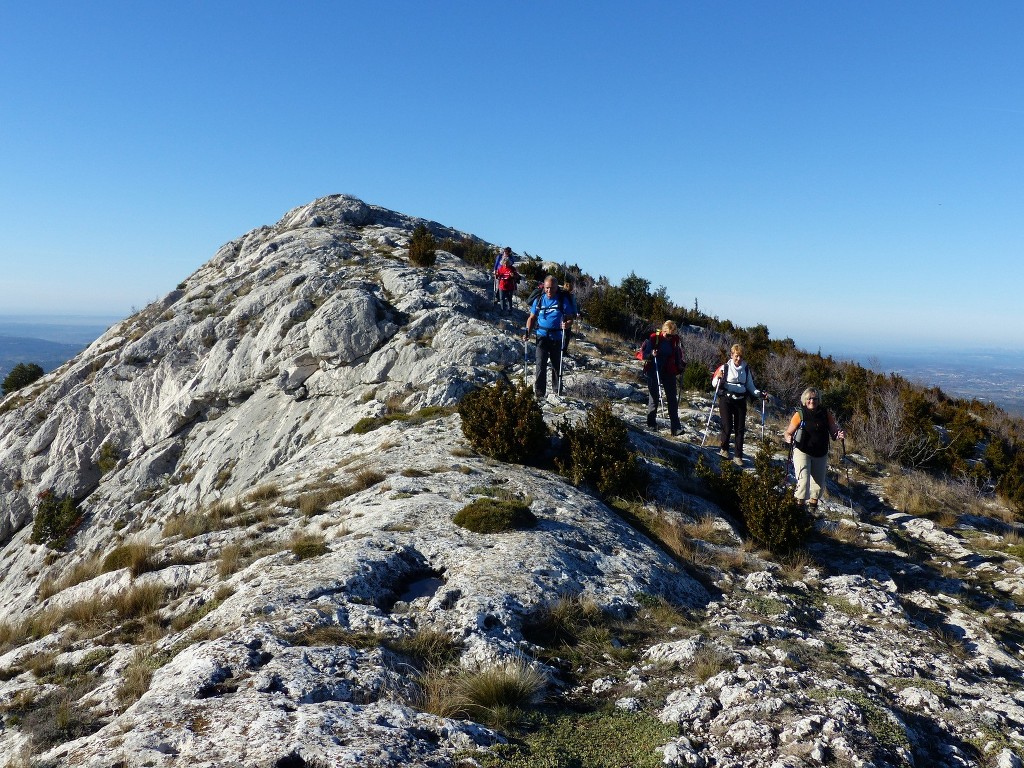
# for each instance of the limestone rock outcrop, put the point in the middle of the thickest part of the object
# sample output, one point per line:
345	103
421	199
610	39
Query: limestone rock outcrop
266	464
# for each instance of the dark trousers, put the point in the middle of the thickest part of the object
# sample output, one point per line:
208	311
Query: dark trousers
549	348
734	420
506	299
654	399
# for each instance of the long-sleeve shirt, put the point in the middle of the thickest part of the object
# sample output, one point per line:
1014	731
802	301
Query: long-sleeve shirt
737	381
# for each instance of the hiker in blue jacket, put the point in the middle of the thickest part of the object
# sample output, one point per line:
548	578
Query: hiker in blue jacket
552	313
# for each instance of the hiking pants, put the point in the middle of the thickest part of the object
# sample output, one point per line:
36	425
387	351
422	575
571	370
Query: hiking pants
810	475
549	348
506	299
654	399
734	420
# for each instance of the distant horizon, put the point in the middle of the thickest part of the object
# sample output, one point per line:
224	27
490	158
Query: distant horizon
843	348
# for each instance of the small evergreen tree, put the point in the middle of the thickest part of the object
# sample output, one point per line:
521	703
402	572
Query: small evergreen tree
597	453
21	375
769	512
55	520
422	247
505	423
772	516
696	377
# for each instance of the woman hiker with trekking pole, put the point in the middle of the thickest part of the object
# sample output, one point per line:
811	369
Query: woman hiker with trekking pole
809	431
737	382
663	361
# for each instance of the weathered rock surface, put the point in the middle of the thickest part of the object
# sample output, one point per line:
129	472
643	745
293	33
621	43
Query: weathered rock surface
227	425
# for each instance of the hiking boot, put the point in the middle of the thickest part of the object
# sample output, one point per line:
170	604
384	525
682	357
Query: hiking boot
737	460
723	453
812	505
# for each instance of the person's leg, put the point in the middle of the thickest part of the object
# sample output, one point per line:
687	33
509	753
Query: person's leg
802	467
541	367
740	418
725	412
652	401
555	358
672	401
818	468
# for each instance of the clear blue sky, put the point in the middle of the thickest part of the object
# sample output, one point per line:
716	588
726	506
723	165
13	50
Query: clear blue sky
842	172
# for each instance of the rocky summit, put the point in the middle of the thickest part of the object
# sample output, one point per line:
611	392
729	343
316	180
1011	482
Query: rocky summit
228	540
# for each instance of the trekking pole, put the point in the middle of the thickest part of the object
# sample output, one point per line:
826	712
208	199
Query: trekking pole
526	351
563	346
763	401
711	411
662	392
846	464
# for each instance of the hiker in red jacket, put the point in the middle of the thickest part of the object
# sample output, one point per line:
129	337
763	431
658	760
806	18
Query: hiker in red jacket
663	362
508	278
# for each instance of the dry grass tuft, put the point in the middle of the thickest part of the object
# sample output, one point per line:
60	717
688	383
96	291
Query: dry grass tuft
137	556
136	677
709	661
84	571
498	696
264	492
216	517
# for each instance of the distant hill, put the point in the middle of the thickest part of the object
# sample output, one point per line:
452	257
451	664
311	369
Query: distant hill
48	341
48	354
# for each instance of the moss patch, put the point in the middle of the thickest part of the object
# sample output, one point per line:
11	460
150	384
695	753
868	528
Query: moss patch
489	515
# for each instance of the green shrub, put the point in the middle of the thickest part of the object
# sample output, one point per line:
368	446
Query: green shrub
109	456
21	375
602	739
370	423
696	377
596	452
470	250
762	500
55	521
505	423
422	247
489	515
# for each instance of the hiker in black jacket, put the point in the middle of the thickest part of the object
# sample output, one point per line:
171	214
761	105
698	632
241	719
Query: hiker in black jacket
809	430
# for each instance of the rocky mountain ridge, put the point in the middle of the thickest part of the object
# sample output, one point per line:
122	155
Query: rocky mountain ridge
266	463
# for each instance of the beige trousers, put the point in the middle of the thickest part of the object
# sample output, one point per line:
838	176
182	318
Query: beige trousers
810	475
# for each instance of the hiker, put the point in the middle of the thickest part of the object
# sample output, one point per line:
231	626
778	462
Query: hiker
505	253
508	278
552	313
663	360
737	382
809	431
